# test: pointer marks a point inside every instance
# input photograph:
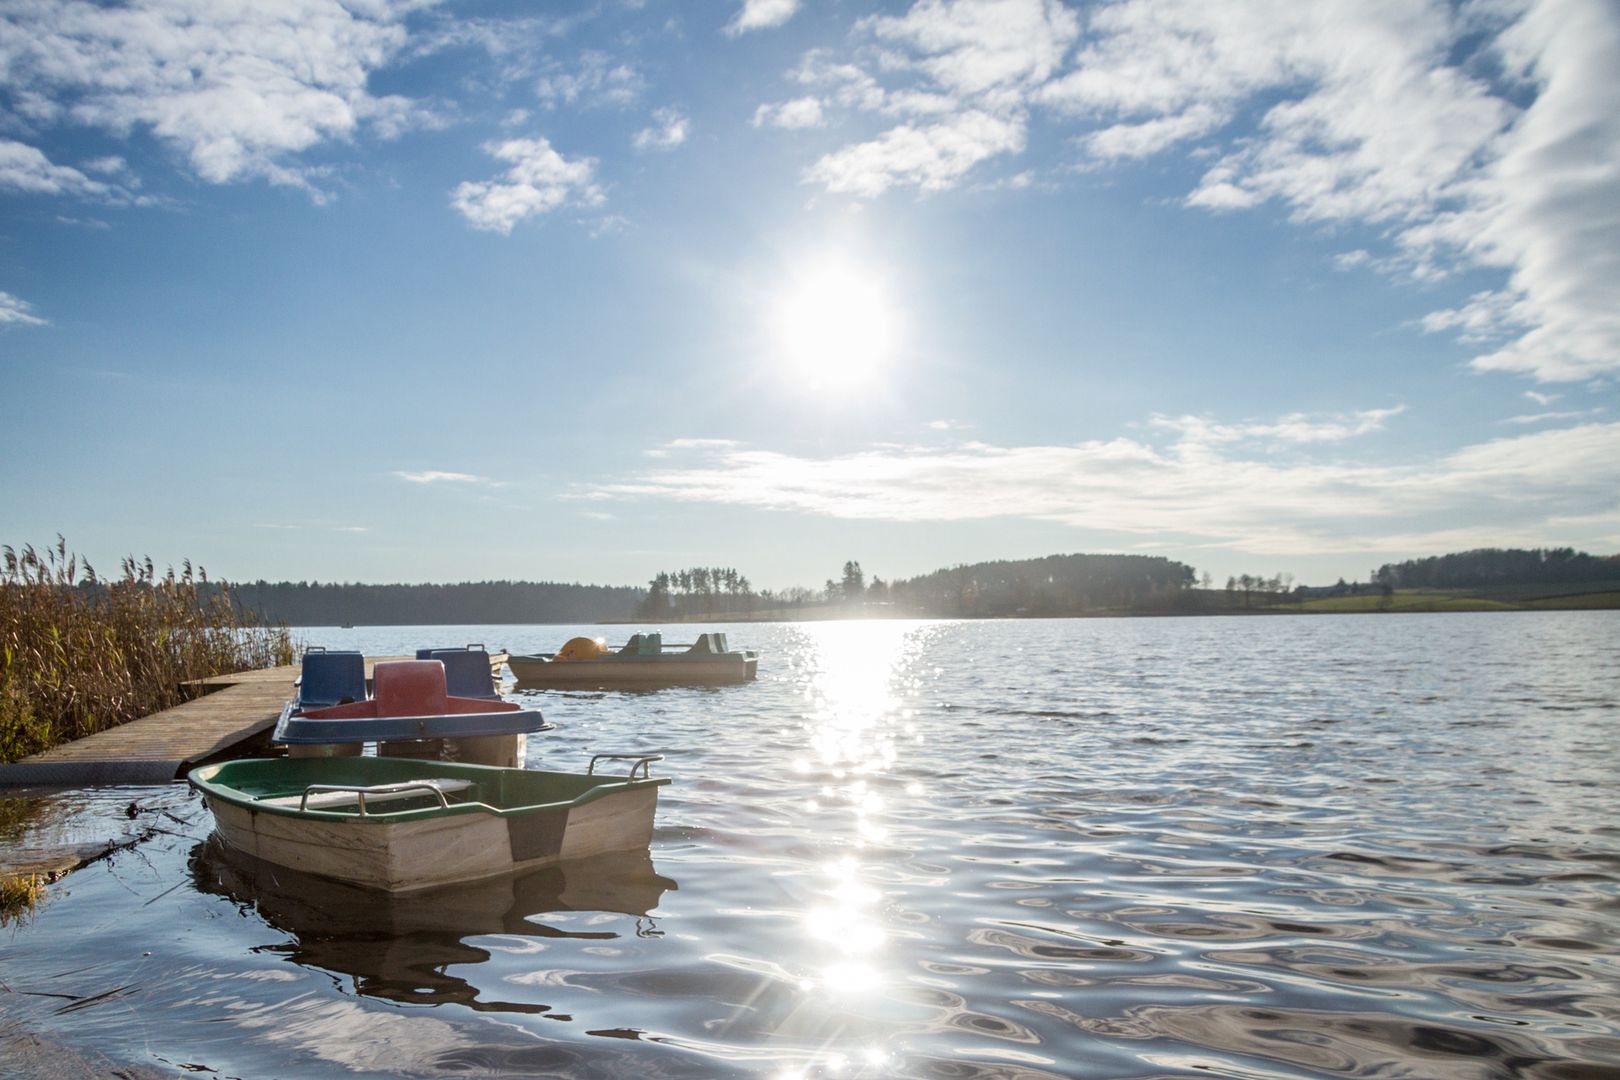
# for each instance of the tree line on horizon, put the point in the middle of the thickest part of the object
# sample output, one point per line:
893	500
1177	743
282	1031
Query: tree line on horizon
1484	567
698	590
1052	585
306	603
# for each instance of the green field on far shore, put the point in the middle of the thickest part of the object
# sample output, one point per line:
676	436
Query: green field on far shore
1606	595
1513	598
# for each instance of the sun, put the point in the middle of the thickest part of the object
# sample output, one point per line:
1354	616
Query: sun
835	326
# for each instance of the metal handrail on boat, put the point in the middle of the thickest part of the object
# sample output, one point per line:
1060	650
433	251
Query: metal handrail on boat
361	792
642	762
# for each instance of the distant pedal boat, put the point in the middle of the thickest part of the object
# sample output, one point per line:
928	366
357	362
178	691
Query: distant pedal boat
400	824
644	662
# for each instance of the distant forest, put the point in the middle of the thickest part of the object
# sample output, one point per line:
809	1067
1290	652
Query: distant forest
1051	586
1485	567
306	603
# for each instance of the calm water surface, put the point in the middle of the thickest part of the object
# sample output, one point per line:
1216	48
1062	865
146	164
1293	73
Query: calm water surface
1276	847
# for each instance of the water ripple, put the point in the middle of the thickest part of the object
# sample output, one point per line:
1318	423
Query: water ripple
1360	846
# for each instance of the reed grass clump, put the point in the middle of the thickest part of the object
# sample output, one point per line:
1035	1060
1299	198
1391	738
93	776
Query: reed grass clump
20	894
80	653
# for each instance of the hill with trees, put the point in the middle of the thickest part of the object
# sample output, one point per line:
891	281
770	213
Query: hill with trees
1053	585
1486	567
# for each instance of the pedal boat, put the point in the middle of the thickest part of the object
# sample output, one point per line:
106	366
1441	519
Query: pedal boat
412	712
644	662
401	825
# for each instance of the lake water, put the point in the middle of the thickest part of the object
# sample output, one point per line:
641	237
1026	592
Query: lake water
1237	847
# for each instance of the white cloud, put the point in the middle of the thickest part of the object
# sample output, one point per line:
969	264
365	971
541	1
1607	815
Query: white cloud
992	50
1147	137
437	476
702	444
1293	428
537	181
850	85
1542	399
1193	490
801	112
1378	125
972	66
1546	207
1487	316
17	312
669	130
236	88
510	40
595	79
1372	126
932	157
26	170
1548	417
761	15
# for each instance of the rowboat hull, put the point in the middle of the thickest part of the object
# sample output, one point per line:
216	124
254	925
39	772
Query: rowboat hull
505	820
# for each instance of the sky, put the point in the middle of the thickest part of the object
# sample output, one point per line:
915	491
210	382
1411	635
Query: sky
396	290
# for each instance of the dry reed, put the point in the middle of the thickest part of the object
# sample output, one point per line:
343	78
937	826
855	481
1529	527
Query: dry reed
20	894
79	653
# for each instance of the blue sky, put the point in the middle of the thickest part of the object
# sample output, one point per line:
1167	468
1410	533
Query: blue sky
414	291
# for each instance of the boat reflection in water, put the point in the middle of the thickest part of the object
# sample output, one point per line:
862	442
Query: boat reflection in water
399	946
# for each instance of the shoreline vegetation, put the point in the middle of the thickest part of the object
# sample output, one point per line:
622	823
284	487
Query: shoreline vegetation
80	653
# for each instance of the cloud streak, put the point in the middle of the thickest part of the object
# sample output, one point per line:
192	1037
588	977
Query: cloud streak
18	312
1255	487
438	476
25	170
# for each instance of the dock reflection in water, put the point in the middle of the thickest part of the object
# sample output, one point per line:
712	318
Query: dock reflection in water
400	947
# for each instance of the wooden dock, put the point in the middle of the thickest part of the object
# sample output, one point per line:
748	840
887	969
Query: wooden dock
163	747
159	748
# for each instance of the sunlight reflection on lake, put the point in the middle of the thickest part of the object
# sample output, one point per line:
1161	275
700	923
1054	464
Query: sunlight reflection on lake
1122	848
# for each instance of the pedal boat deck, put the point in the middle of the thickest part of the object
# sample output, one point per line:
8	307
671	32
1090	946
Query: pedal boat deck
643	663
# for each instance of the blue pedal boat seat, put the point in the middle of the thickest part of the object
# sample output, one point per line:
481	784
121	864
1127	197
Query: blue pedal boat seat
329	678
466	671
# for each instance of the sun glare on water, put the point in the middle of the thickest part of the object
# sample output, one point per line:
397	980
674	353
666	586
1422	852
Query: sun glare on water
835	326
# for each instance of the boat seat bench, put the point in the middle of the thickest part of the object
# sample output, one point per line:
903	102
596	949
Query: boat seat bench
327	800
